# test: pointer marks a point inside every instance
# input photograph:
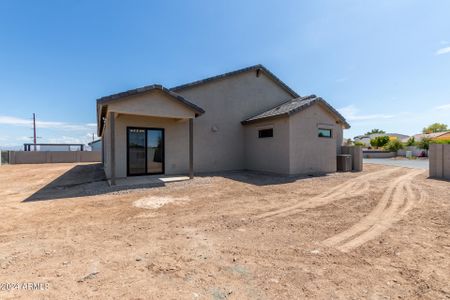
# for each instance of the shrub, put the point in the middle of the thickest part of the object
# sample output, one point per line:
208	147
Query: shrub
424	143
442	142
359	144
393	146
379	141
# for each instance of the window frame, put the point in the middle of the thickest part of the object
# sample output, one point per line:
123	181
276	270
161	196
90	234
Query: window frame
261	136
128	128
325	129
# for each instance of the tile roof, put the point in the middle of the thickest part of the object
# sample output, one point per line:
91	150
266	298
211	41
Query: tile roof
420	136
240	71
148	88
292	106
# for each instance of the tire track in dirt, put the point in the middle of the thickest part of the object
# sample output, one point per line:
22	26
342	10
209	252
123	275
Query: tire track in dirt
352	188
395	202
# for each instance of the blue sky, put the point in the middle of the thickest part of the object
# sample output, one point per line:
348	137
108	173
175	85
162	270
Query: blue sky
383	64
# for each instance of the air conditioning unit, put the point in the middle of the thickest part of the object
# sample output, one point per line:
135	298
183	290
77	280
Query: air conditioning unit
344	162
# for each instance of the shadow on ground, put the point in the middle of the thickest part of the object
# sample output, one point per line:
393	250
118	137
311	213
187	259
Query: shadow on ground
439	179
81	181
90	180
259	178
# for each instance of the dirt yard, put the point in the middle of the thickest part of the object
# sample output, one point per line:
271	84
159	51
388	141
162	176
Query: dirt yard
380	234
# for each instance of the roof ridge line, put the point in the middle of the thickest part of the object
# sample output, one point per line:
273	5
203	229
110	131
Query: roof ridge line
235	72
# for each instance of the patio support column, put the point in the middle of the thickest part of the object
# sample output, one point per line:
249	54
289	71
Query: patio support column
113	147
191	148
103	152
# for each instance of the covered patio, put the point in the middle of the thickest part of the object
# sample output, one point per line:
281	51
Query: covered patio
146	132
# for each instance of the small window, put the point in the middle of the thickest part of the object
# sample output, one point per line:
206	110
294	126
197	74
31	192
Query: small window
325	133
265	133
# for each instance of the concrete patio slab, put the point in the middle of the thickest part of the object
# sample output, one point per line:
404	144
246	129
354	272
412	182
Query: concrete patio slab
149	180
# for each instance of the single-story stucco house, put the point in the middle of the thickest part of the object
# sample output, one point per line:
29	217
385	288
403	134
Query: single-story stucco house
434	136
243	120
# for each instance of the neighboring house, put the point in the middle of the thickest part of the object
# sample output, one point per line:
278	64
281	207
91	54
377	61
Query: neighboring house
435	136
366	138
96	145
246	119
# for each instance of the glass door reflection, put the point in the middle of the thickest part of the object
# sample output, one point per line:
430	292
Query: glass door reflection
155	151
136	151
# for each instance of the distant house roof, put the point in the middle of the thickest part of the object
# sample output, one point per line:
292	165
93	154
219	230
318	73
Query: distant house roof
94	142
240	71
103	102
293	106
399	136
420	136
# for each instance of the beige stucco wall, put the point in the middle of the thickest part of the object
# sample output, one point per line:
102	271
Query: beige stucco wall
219	134
268	154
107	148
309	153
176	152
295	147
153	103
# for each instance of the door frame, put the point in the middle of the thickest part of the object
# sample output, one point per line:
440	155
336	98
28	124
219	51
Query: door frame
163	151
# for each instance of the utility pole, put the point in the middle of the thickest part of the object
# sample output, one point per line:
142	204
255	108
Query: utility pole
34	131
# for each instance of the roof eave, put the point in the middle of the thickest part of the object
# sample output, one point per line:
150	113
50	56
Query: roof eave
247	122
102	103
340	118
115	97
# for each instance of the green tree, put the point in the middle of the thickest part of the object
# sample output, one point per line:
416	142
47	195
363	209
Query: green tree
379	141
375	131
435	127
411	141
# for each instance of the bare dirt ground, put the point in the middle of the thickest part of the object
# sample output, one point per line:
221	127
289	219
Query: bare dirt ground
380	234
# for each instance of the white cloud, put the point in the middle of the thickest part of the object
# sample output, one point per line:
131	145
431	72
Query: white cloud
351	113
82	139
444	107
65	140
444	50
13	121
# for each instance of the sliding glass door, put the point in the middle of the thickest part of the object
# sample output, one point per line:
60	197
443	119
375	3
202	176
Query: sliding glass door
136	151
145	148
155	155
